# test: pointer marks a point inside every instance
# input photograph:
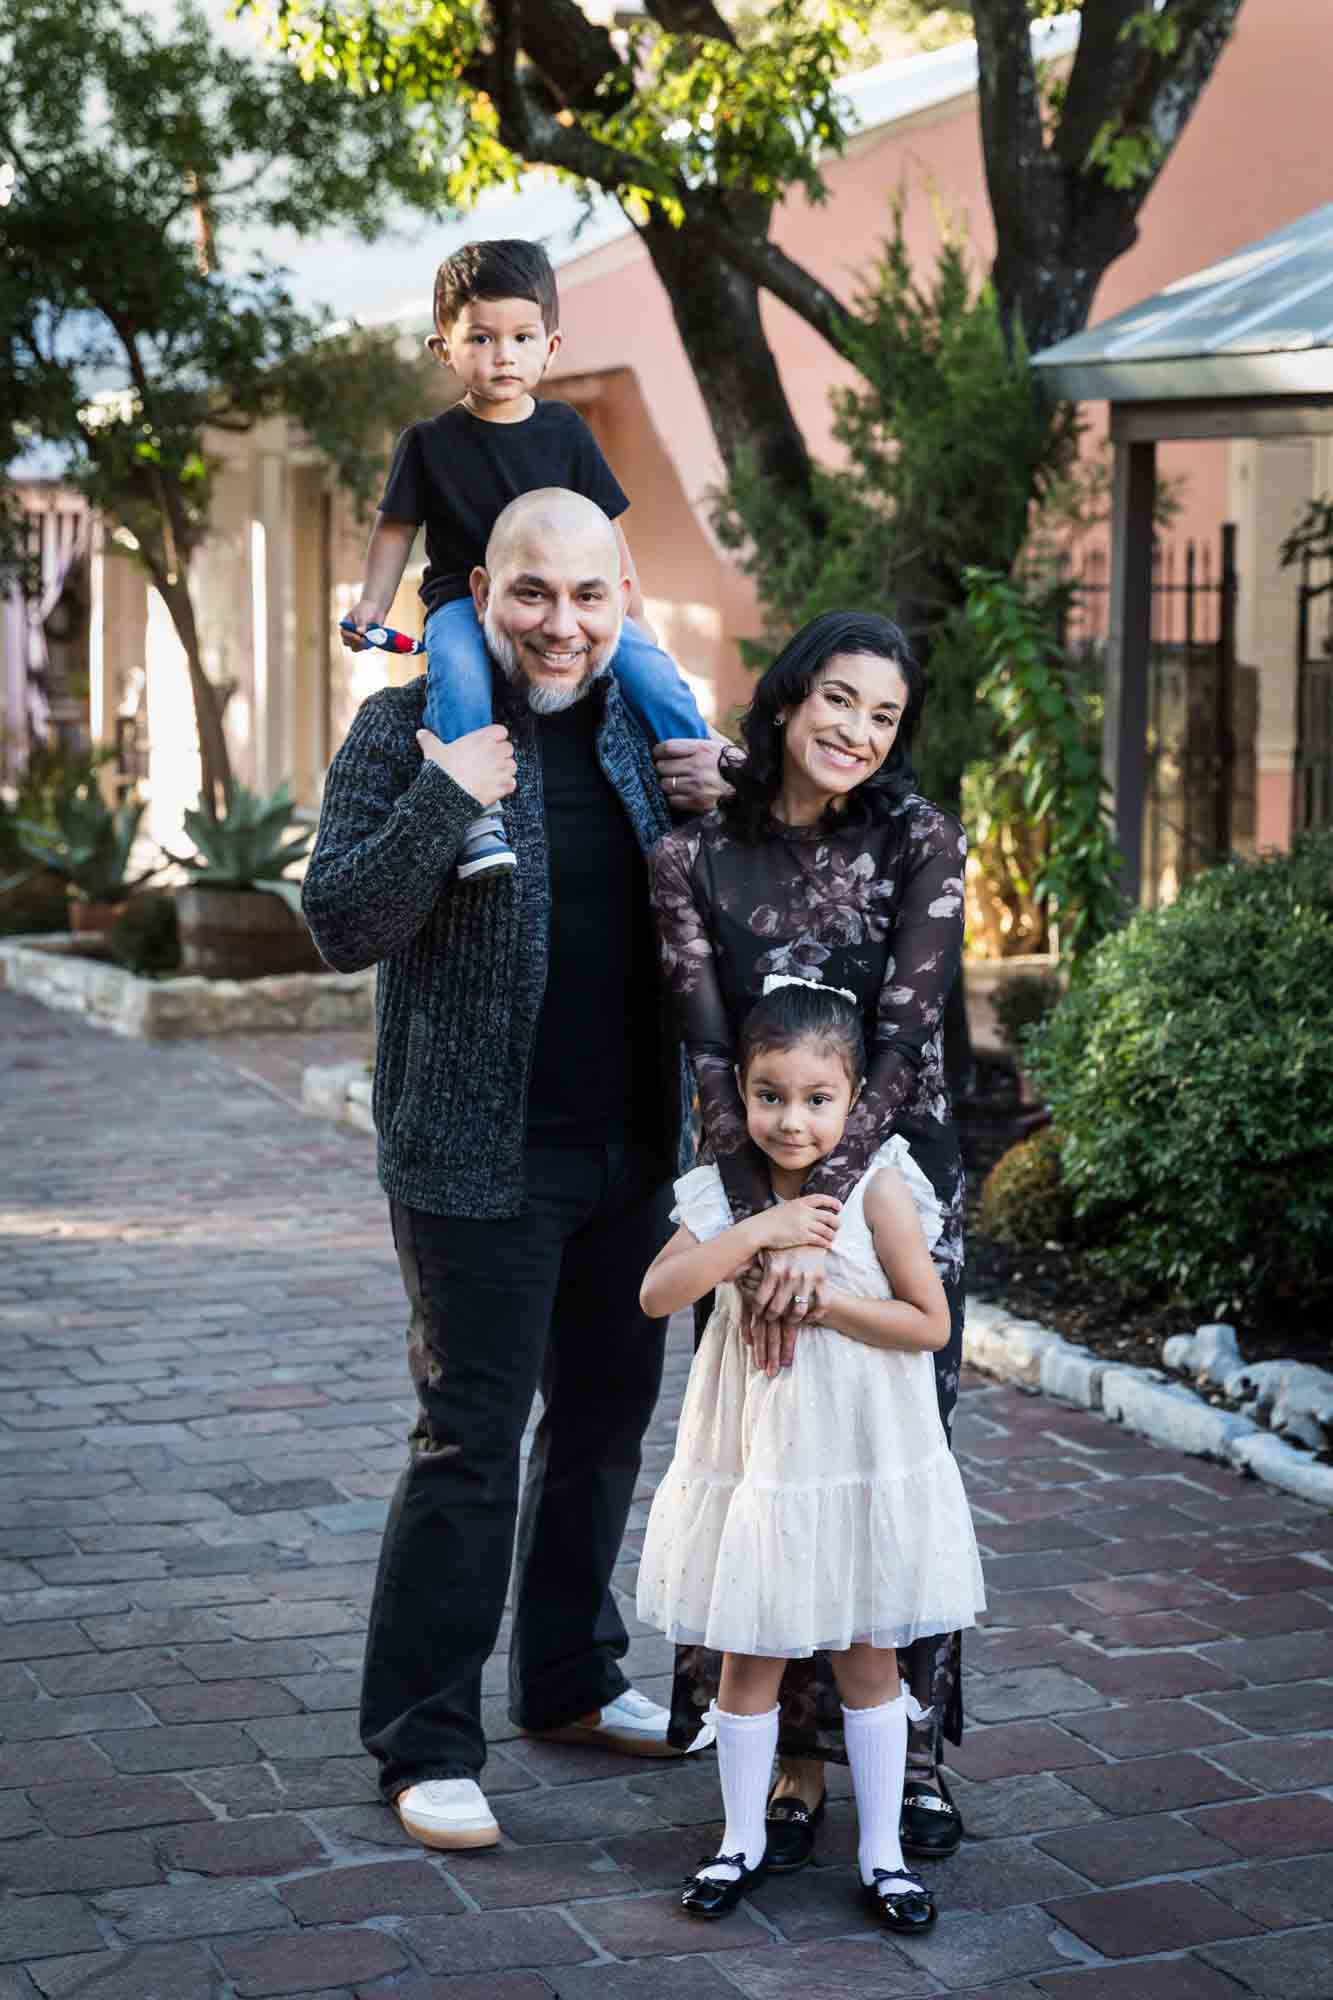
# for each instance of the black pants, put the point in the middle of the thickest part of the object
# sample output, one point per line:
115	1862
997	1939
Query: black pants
548	1298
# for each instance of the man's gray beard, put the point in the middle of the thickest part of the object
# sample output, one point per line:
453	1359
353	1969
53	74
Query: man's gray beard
541	700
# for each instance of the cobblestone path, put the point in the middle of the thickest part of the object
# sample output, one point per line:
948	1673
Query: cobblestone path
202	1411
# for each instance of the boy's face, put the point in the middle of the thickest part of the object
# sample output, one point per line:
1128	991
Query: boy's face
498	348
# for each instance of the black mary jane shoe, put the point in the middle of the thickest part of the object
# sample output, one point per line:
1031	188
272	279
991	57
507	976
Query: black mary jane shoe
930	1825
791	1826
704	1896
905	1906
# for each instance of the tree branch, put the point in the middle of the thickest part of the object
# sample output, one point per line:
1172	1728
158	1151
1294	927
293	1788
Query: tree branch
574	54
692	17
765	264
1172	85
1102	72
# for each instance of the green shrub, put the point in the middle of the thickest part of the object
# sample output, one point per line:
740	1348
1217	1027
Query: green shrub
1024	1200
145	939
1190	1073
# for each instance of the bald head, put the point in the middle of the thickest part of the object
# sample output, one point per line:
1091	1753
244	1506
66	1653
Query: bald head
549	519
552	595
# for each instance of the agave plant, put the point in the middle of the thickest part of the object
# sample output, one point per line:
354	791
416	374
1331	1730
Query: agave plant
249	846
89	844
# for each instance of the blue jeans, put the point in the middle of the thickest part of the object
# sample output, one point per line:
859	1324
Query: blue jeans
458	685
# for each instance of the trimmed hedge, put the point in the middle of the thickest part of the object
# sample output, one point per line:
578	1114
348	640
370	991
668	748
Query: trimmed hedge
1024	1200
1189	1072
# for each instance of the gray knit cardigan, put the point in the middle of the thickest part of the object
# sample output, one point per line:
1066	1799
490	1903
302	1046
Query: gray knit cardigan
462	965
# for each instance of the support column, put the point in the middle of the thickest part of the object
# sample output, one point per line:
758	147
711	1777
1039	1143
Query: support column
1125	727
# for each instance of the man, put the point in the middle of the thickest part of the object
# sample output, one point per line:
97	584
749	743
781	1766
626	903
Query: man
530	1113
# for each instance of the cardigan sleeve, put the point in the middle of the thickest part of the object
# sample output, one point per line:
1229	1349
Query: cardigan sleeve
390	830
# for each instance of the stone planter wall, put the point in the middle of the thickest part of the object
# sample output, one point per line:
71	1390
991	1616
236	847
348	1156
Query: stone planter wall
340	1091
50	969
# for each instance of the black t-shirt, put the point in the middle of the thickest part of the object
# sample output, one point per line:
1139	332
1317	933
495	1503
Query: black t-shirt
595	1076
458	472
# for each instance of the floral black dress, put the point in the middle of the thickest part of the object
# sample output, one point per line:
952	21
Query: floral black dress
876	906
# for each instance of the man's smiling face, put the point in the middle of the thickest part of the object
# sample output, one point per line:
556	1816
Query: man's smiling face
553	601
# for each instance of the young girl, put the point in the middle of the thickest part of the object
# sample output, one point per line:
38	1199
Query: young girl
818	1507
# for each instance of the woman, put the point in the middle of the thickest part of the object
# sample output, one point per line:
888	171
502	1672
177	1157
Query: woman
826	865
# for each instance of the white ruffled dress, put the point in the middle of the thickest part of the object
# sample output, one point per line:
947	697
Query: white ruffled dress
819	1507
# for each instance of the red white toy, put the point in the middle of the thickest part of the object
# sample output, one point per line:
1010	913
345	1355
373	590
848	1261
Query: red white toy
385	638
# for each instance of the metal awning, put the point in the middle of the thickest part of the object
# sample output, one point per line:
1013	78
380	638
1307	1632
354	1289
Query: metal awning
1258	324
1241	350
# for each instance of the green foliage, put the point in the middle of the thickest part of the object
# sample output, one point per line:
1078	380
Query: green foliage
1024	1200
145	938
247	846
1023	1002
89	845
659	114
1043	723
1189	1071
945	445
136	153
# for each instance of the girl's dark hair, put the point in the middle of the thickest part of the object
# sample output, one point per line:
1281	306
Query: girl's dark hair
792	1014
785	685
501	267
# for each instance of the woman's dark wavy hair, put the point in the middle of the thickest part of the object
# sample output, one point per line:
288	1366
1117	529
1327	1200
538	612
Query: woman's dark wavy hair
785	685
792	1014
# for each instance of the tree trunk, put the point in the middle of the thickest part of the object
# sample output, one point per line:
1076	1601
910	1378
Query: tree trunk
716	311
214	757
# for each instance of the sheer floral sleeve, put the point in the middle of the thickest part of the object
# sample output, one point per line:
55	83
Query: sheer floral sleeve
925	951
689	965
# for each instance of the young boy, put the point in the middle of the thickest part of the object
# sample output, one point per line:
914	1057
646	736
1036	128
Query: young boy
497	326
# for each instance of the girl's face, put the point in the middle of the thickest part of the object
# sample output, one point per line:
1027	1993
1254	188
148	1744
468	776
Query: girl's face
845	728
797	1101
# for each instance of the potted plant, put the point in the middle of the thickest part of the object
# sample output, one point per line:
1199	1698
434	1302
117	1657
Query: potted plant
239	917
88	845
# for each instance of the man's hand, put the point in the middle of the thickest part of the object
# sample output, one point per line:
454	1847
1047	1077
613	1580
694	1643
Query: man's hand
481	762
363	616
687	768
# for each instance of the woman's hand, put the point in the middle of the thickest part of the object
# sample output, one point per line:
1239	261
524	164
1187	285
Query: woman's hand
808	1223
689	772
790	1286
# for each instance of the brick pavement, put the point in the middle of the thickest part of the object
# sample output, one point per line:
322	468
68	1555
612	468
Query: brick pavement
201	1414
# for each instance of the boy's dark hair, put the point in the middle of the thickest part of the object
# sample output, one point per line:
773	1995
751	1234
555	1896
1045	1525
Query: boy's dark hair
792	1014
502	267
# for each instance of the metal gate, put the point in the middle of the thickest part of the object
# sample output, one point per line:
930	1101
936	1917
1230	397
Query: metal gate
1312	803
1202	707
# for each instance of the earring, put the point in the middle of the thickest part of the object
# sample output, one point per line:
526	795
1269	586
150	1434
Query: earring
778	721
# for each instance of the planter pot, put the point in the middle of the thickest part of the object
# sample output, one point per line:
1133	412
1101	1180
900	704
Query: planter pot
85	917
241	934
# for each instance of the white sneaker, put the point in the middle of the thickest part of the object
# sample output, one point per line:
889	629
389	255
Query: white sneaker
630	1723
448	1812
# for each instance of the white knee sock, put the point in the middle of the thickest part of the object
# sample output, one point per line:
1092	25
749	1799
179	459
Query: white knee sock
746	1745
876	1741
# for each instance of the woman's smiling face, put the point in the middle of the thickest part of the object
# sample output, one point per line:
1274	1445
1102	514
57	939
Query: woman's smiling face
845	728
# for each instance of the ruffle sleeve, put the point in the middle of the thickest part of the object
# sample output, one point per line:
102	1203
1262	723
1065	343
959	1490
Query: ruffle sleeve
896	1152
701	1203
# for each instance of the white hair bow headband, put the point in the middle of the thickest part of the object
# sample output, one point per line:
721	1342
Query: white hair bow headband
774	980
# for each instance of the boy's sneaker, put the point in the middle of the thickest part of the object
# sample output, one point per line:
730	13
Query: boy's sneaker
485	849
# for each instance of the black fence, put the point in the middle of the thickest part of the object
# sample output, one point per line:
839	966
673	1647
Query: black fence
1203	707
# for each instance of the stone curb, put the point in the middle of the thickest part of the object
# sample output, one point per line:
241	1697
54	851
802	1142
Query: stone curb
47	970
1035	1358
